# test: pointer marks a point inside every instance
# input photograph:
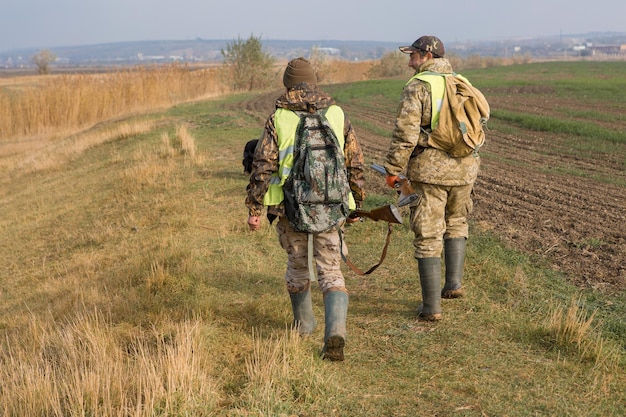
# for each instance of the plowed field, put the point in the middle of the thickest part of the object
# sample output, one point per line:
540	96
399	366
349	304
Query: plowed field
566	207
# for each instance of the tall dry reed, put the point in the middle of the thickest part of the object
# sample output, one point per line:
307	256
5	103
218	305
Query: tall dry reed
63	104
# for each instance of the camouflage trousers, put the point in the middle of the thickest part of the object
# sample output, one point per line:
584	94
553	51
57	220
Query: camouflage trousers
441	214
326	258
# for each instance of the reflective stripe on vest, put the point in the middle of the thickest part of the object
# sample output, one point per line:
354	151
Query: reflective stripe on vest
286	123
437	90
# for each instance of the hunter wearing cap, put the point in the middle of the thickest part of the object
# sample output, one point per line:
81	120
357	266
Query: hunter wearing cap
274	152
439	221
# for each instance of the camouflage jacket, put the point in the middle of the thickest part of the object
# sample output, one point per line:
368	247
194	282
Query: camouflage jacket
409	151
300	98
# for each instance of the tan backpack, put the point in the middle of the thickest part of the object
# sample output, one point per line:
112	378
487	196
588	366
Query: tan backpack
462	119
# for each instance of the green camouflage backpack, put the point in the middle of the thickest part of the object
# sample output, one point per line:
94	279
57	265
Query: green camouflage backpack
317	189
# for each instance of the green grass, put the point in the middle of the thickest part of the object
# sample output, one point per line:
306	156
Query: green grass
387	92
579	102
592	115
590	78
132	283
593	133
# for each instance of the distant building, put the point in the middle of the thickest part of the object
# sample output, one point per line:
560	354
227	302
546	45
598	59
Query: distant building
142	57
330	51
607	49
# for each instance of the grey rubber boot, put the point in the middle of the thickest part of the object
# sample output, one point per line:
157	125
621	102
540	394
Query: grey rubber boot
430	281
303	318
336	312
454	252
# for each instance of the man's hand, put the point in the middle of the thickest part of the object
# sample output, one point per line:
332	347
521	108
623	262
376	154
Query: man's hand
392	180
351	220
254	223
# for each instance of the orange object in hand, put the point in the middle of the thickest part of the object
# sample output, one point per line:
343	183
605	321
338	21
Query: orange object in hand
391	180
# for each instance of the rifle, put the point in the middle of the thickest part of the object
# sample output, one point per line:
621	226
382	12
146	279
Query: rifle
388	213
403	186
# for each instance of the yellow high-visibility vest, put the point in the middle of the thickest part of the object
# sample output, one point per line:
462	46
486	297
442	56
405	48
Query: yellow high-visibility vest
286	123
437	88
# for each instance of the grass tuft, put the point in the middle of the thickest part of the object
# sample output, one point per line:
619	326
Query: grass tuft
573	331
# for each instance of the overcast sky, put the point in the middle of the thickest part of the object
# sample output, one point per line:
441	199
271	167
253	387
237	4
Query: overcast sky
50	23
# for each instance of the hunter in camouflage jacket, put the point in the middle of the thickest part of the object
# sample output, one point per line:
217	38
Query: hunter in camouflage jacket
409	146
302	98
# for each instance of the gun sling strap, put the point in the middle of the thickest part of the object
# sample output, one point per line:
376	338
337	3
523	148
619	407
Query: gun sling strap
382	256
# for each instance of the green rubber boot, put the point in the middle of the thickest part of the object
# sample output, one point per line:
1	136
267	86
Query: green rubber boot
336	312
430	281
303	318
454	252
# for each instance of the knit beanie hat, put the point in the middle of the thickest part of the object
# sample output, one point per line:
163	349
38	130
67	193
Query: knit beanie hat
299	70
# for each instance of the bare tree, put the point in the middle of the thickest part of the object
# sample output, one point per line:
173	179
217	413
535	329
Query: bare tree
392	64
319	61
248	66
43	59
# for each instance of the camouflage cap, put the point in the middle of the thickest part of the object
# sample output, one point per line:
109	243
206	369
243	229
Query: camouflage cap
426	44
